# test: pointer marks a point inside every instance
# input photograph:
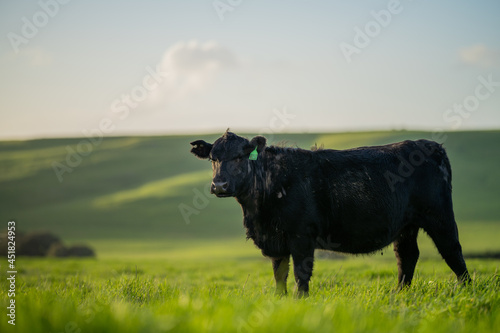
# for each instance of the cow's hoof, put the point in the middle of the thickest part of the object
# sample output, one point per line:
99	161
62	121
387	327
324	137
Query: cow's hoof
302	294
280	288
280	293
402	286
465	279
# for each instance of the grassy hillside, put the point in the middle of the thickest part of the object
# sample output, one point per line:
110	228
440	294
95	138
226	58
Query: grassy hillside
133	187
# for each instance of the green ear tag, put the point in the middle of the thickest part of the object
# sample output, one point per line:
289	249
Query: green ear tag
253	155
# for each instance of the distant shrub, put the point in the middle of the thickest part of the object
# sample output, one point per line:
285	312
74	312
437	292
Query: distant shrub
80	251
59	250
36	244
41	244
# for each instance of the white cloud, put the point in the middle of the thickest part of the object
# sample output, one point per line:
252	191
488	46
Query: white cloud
480	55
191	68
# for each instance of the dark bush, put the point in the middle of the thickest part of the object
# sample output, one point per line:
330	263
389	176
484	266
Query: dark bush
80	251
35	244
59	250
41	244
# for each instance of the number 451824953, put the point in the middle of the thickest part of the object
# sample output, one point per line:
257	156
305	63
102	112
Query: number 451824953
11	245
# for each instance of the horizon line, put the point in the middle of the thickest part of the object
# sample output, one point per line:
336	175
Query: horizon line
243	131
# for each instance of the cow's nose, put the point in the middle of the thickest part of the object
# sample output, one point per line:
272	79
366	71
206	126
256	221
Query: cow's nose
219	187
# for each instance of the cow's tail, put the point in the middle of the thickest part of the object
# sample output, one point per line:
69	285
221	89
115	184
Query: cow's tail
441	159
437	154
446	164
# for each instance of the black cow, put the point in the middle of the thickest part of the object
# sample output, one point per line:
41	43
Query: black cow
354	201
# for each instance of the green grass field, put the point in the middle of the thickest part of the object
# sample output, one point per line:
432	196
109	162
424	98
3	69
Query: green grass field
157	271
202	292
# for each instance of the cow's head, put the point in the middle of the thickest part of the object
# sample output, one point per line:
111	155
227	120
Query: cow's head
232	157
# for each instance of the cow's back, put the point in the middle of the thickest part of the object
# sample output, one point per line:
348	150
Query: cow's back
365	196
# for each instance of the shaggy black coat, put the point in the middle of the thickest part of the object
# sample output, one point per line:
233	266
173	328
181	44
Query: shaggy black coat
354	201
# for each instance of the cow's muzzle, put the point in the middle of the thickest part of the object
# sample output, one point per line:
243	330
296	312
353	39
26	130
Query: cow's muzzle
220	189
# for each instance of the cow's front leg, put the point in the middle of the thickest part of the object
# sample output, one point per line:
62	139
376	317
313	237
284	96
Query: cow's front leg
280	268
303	260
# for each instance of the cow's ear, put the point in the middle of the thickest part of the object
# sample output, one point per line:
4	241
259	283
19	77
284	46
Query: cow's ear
259	142
201	149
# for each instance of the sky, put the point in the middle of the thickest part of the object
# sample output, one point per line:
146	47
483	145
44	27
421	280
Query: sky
80	68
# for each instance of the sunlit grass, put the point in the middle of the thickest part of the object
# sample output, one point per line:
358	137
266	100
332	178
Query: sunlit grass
171	186
200	295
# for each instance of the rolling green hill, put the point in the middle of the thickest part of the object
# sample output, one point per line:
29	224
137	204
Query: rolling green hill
136	187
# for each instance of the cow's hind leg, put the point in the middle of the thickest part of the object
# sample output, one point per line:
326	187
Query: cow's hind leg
302	268
445	235
406	250
281	267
